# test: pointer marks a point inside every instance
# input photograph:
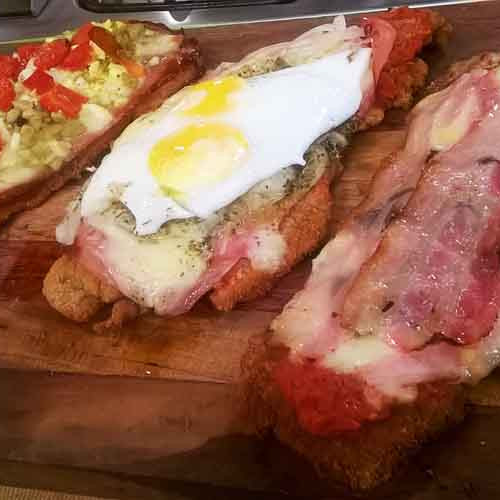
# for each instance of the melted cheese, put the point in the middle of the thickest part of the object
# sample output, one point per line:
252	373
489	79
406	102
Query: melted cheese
451	126
151	271
268	250
356	353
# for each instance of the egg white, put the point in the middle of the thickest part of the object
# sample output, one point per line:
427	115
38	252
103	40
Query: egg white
280	114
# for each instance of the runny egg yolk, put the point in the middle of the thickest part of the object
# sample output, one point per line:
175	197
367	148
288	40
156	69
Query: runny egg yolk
197	156
216	98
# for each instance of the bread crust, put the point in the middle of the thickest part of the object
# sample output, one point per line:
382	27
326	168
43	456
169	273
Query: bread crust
177	70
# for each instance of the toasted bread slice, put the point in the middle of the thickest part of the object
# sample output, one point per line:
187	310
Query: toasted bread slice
176	68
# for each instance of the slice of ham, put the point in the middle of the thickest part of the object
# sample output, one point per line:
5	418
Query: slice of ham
436	270
336	379
227	253
91	250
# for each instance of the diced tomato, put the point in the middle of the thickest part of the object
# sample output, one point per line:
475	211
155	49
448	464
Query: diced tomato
26	52
60	98
82	35
107	42
7	94
78	58
10	67
51	54
39	81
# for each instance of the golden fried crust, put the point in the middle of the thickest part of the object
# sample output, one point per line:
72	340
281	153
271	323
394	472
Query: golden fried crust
123	311
303	225
74	291
360	459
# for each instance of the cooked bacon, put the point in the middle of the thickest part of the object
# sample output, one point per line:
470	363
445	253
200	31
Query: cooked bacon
338	264
437	268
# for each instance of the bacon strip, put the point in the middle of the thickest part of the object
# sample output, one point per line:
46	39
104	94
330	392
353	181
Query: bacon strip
337	266
437	268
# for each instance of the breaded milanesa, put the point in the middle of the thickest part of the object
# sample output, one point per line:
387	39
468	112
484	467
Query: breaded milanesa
302	216
361	459
367	451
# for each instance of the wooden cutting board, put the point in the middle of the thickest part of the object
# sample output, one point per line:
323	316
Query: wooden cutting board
204	344
179	395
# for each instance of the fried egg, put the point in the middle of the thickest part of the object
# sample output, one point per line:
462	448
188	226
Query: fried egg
213	141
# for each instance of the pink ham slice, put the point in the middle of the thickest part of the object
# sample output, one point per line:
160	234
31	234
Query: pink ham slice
90	249
437	268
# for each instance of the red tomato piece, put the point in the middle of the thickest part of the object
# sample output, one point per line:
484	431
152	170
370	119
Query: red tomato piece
60	98
26	52
7	94
82	35
39	81
51	54
78	58
10	67
107	42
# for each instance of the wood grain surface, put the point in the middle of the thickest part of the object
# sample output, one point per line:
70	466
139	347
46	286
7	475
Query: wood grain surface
204	344
175	417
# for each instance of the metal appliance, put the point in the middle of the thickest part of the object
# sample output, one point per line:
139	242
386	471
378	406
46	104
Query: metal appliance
28	19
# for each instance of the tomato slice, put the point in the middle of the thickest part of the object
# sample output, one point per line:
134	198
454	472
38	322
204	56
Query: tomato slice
39	81
82	35
10	67
78	58
7	94
60	98
107	42
51	54
26	52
